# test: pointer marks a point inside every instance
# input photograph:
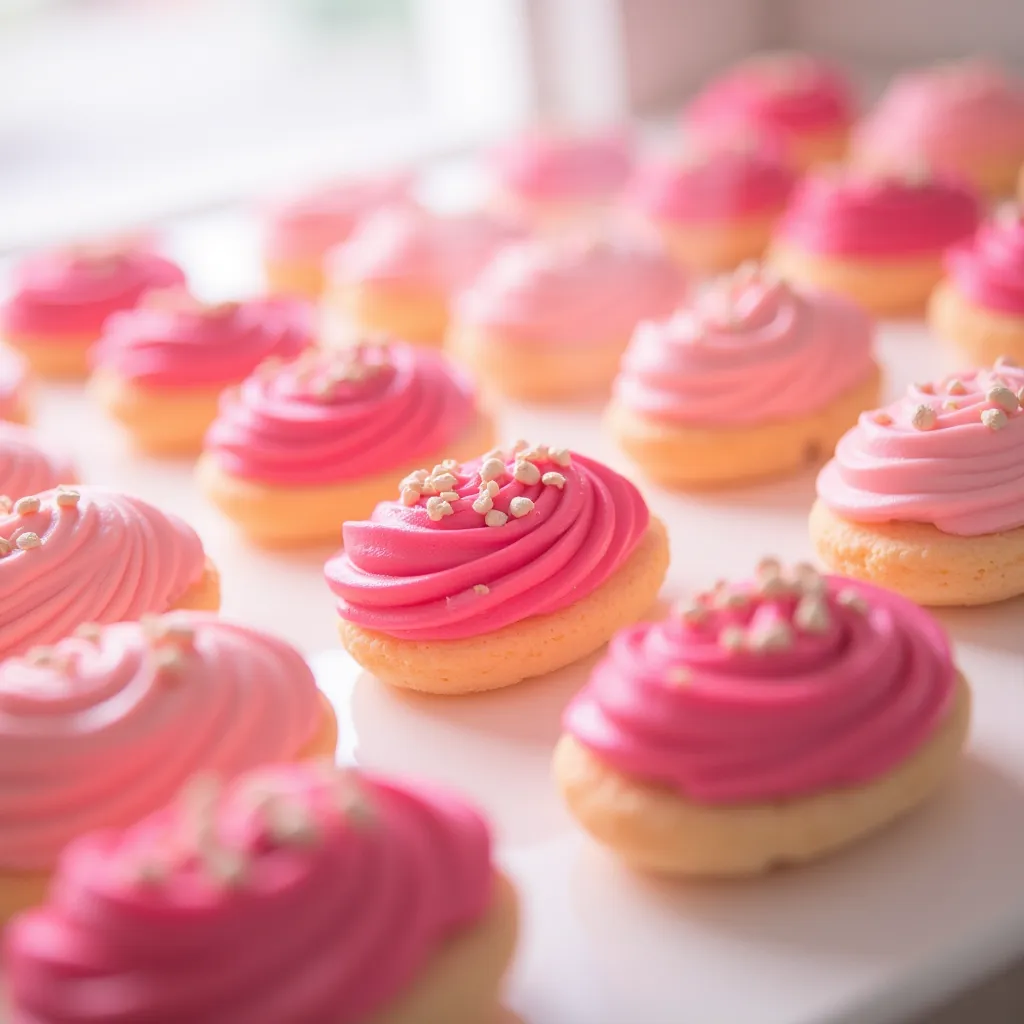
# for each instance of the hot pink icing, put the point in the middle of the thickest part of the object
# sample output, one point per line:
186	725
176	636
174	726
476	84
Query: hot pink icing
26	466
559	168
948	117
782	96
172	341
961	475
407	575
420	250
851	213
572	290
72	292
109	558
306	226
331	417
749	350
346	888
96	733
13	381
672	705
989	269
724	182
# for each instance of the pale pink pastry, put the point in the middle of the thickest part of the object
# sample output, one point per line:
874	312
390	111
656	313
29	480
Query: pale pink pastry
797	101
25	464
964	119
93	555
767	722
549	318
342	898
14	384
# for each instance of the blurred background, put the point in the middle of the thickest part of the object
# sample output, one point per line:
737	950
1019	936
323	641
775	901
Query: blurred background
114	112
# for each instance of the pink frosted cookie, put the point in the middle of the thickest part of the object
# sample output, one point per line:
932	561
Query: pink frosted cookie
802	103
550	318
60	300
877	239
964	119
302	229
769	722
486	573
299	893
126	714
14	386
25	465
160	369
755	378
926	496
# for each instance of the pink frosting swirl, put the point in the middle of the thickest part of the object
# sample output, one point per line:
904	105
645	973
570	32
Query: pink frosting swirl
946	116
781	96
409	246
97	732
849	213
439	568
173	341
88	555
751	349
72	292
989	269
950	454
331	892
26	466
13	380
769	691
720	183
553	168
330	417
572	290
306	226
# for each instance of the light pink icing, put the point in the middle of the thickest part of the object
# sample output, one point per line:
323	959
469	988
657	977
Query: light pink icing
851	213
95	733
172	341
109	558
782	96
723	182
25	465
13	381
949	117
330	417
960	475
72	292
419	250
328	921
989	269
563	168
751	349
572	291
407	575
305	227
672	705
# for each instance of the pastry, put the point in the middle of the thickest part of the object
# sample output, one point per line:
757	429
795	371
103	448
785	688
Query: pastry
878	240
754	380
60	300
964	119
768	723
160	369
26	466
298	893
979	306
302	229
550	318
497	570
69	556
557	180
713	207
107	725
14	386
302	447
398	272
802	103
926	496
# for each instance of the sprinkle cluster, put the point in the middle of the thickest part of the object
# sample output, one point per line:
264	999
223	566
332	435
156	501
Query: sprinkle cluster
323	374
727	302
1002	402
27	540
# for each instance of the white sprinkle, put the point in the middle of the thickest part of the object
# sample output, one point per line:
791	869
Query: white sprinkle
492	469
481	589
732	638
444	481
811	614
553	480
950	406
5	547
289	822
414	479
526	473
693	613
450	464
560	456
536	453
28	540
68	498
852	599
994	419
490	487
438	508
495	518
483	504
924	418
519	507
26	506
1004	398
768	567
774	586
777	636
1005	361
168	660
925	389
808	578
5	504
956	387
883	419
450	495
733	599
410	496
520	446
